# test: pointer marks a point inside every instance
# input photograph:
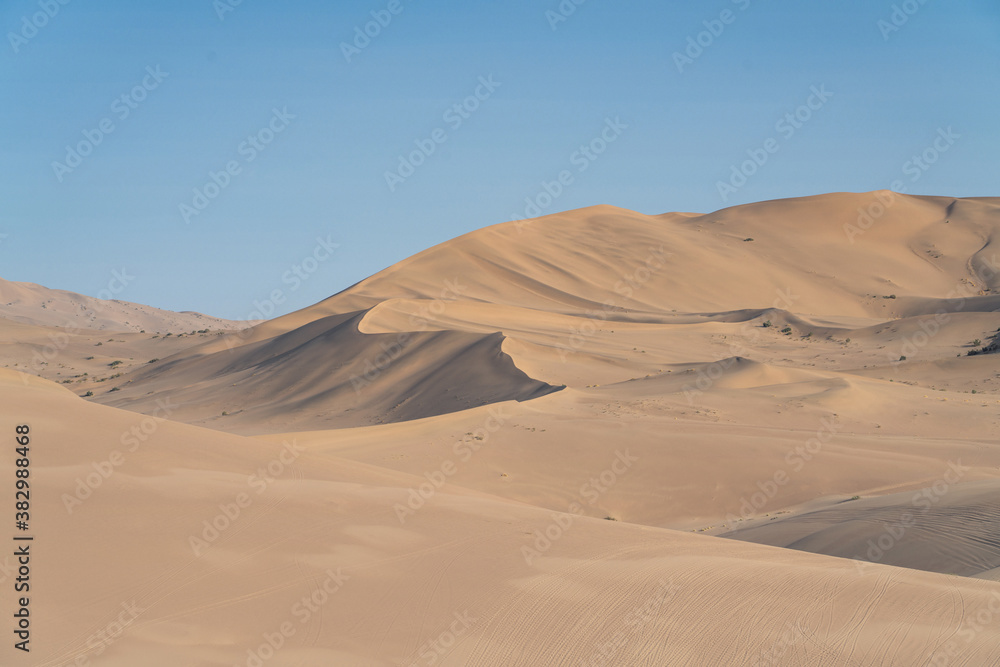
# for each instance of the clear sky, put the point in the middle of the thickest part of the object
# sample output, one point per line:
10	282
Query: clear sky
113	114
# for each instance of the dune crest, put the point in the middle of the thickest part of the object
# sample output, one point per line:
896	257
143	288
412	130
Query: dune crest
765	435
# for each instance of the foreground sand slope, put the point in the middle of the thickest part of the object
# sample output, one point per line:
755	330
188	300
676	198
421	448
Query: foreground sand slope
312	557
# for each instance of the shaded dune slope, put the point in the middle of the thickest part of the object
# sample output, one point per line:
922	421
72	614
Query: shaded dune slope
328	373
949	527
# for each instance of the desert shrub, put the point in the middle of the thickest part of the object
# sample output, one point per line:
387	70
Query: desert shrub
986	349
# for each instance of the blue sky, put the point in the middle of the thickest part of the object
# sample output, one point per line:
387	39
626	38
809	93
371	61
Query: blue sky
308	132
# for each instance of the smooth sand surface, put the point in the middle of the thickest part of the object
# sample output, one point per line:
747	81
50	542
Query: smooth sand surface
318	561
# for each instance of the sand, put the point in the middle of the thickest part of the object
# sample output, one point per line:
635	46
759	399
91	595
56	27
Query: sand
598	437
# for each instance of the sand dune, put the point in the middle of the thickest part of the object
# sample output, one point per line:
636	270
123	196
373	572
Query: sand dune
544	426
949	527
86	359
625	299
33	304
804	246
327	374
317	563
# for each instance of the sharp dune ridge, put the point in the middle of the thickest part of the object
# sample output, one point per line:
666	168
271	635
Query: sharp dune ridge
754	436
602	265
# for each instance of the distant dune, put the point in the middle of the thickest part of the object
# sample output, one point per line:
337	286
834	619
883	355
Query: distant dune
33	304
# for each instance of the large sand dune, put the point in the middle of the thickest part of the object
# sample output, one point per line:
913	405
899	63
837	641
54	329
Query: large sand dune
745	373
604	294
